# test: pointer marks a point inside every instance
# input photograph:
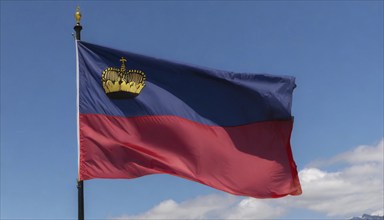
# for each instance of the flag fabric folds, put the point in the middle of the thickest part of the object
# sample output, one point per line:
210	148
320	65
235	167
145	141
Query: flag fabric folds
227	130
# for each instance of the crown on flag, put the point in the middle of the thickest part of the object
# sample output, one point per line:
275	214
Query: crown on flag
122	83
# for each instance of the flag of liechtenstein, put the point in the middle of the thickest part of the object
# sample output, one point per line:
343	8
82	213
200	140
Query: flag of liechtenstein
140	115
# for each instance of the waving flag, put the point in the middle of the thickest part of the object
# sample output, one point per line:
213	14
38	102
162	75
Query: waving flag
140	115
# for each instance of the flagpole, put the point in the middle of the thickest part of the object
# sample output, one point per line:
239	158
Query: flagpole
80	184
80	199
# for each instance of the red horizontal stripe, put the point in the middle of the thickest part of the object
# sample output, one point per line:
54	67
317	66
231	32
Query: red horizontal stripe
252	160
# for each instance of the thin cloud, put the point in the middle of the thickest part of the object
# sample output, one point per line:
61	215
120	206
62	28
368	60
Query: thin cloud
352	190
251	208
340	194
202	207
211	207
360	154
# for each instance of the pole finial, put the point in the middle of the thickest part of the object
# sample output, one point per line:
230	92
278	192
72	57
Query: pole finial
78	15
78	26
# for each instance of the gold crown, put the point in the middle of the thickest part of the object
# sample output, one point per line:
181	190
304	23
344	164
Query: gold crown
122	83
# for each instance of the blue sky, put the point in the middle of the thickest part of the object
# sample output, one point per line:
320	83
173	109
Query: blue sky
333	48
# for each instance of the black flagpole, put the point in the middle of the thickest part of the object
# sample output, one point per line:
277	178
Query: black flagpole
80	185
80	198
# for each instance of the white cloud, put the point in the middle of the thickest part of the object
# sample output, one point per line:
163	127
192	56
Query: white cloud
363	154
198	208
355	189
352	190
360	154
341	194
210	207
251	208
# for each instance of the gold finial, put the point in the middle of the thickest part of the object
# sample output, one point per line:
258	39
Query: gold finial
78	15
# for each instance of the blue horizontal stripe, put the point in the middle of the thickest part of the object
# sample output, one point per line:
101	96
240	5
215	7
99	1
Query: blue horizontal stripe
206	96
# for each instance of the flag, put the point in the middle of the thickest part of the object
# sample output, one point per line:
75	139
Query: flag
139	115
